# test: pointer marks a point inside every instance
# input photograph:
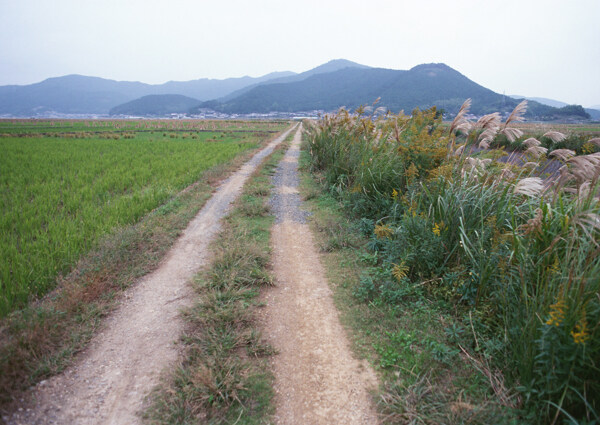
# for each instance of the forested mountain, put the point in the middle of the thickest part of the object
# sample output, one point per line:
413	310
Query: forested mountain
337	83
331	66
422	86
564	108
79	94
156	105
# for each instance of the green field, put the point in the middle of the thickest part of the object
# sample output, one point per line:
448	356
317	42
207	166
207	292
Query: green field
67	127
65	184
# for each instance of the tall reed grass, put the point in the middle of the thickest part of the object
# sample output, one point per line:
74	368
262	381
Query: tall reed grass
489	233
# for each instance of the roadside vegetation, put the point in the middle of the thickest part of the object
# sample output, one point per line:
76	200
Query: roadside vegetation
40	338
223	377
576	138
475	283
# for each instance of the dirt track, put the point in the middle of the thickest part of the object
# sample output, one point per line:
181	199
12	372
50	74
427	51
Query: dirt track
111	378
318	381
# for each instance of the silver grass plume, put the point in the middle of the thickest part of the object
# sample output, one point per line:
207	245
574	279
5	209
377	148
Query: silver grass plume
475	165
536	151
476	162
588	222
532	141
517	114
489	121
562	154
585	167
490	124
484	144
555	136
565	177
530	186
534	225
595	141
459	150
507	174
460	122
583	191
511	133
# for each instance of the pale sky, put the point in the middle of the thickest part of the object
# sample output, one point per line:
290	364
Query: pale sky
546	48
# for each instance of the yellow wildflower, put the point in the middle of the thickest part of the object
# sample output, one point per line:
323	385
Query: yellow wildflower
356	188
411	173
394	194
587	148
383	231
580	334
436	229
404	199
400	271
557	313
555	267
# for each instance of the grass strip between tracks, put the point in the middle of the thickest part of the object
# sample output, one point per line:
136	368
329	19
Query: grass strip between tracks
223	376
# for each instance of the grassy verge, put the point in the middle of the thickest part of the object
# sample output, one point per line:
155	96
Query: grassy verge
41	339
508	248
415	343
224	377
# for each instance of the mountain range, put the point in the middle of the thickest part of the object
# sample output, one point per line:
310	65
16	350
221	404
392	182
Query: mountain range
422	86
593	111
326	88
79	94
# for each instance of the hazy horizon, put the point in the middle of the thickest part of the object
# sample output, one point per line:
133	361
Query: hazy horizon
536	49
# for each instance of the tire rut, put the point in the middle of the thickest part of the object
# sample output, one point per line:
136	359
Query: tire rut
317	379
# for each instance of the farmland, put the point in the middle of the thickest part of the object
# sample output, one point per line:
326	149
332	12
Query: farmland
66	184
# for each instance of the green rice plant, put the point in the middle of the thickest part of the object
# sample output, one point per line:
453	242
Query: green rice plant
59	196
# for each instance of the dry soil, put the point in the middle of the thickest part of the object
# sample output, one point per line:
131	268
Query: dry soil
317	379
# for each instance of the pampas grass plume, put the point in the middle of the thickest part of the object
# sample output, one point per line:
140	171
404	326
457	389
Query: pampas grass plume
529	186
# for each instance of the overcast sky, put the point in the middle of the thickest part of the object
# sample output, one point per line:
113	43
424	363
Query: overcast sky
546	48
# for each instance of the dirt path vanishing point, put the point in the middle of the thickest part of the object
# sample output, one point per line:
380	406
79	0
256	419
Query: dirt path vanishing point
317	379
110	380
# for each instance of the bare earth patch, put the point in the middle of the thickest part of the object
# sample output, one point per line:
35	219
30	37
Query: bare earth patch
317	379
110	380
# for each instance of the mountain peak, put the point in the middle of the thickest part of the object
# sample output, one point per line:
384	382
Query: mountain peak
334	65
432	67
344	63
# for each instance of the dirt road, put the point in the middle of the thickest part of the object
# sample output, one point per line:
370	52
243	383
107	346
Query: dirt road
318	381
111	378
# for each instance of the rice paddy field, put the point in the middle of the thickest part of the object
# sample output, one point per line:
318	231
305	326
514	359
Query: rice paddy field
64	184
